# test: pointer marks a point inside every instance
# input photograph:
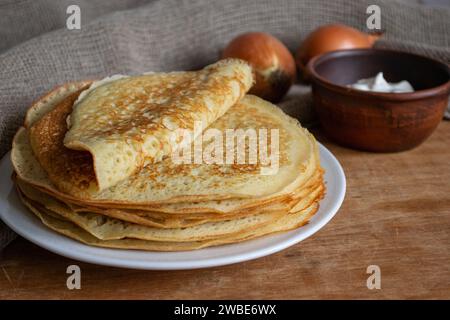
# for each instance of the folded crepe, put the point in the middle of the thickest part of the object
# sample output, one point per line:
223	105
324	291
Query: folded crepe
114	127
166	181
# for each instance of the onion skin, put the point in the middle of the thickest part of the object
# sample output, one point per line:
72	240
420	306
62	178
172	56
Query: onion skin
273	64
329	38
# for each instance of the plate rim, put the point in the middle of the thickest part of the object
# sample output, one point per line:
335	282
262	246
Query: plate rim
292	237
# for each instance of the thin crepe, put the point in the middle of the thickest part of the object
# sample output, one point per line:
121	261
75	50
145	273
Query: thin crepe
133	218
120	125
71	230
167	182
278	204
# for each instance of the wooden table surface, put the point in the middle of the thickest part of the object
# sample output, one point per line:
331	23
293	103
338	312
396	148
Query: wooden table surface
396	215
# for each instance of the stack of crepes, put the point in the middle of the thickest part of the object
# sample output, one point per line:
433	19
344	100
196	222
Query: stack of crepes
93	162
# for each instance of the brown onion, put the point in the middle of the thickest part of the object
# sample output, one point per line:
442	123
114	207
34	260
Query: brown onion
332	37
272	62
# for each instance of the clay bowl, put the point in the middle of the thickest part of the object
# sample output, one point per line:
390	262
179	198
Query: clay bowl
378	122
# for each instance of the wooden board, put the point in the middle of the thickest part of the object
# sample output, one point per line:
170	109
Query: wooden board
396	215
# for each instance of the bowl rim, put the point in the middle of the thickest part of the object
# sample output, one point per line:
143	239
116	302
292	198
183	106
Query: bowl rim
418	94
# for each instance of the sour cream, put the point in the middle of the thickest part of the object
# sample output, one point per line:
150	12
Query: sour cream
379	84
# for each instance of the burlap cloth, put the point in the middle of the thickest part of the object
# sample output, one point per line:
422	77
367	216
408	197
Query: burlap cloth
37	52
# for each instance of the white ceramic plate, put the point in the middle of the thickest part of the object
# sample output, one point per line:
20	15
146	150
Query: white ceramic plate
17	216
